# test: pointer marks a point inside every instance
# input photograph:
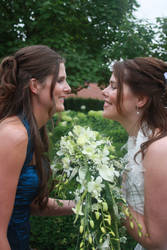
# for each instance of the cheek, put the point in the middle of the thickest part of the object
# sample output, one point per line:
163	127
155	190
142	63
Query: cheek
57	91
113	98
44	96
129	103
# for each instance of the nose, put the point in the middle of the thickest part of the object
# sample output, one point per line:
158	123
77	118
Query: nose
104	91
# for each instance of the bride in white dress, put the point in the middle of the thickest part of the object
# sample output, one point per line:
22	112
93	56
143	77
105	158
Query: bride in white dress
137	98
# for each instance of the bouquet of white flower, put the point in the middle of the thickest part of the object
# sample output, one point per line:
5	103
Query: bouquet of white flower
88	158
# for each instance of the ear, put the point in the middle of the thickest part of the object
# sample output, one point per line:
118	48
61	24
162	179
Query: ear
34	86
142	100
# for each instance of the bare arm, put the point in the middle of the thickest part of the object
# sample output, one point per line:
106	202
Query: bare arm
53	208
13	144
154	221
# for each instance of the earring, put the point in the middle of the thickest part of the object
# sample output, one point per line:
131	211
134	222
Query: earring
137	110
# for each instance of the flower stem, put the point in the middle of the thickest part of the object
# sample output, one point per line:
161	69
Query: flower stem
111	201
116	228
79	204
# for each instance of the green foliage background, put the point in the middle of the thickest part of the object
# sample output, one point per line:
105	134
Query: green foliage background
90	34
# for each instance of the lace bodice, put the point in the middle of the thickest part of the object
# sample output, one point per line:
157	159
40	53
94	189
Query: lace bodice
133	175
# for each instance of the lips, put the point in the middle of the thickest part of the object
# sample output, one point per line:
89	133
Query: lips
62	98
106	103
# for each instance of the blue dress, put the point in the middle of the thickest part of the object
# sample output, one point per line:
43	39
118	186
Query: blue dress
27	189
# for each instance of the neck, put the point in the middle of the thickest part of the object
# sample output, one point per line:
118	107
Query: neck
40	117
131	126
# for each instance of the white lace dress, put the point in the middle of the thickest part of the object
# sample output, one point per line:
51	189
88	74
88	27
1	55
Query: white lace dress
133	185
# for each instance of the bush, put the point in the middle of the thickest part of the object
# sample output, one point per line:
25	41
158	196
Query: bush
83	104
53	233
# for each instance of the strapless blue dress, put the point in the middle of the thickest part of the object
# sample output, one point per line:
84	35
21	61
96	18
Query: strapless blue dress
19	227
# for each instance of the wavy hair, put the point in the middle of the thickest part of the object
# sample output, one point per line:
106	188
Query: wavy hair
145	77
38	61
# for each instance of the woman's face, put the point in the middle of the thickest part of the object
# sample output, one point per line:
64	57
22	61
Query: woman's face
60	92
128	106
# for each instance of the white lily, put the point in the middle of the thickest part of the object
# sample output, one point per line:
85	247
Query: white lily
95	187
107	173
81	141
66	162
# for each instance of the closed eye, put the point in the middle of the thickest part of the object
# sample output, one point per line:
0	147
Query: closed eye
61	79
114	85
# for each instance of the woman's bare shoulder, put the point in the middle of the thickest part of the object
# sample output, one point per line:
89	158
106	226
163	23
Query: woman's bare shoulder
158	145
13	129
156	154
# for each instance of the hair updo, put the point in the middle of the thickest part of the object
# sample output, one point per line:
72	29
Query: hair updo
145	77
38	61
8	69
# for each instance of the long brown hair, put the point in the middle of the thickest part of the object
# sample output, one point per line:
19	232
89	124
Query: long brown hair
145	77
38	61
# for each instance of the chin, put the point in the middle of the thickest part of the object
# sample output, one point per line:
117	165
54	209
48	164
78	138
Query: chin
108	115
105	115
60	109
56	110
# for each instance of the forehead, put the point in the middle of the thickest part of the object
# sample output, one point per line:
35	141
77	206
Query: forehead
62	70
124	87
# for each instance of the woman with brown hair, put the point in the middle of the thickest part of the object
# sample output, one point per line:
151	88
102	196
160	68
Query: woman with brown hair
32	88
137	98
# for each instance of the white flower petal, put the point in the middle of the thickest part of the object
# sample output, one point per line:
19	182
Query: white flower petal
107	173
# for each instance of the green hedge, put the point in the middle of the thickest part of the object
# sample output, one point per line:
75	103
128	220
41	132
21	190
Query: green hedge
56	233
83	104
53	233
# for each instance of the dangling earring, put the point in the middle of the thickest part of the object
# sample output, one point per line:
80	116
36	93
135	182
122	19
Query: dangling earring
137	110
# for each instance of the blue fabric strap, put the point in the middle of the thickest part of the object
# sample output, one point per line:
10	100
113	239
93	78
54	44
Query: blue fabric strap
29	154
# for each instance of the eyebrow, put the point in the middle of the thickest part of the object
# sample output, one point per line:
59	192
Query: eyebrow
61	78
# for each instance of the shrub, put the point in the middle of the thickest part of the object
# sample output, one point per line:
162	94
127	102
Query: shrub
83	104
